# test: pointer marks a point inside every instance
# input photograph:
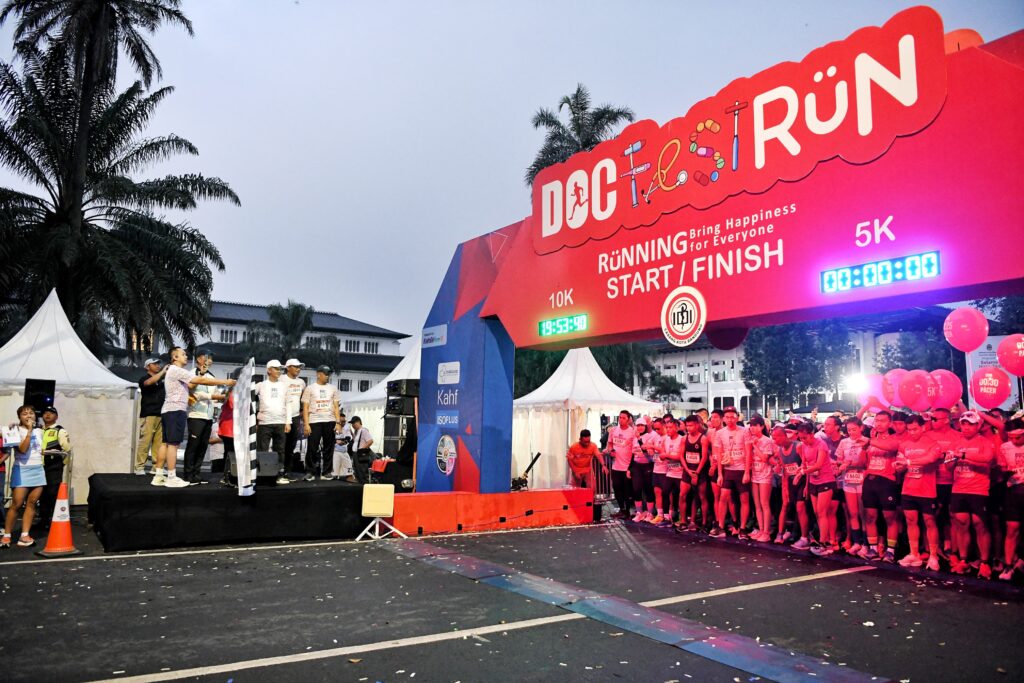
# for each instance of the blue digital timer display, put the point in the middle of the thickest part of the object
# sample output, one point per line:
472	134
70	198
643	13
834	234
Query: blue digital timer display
878	273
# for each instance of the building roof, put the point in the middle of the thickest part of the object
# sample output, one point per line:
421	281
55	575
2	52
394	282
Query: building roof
232	312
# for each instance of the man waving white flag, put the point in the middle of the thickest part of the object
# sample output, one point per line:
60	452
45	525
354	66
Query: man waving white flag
246	463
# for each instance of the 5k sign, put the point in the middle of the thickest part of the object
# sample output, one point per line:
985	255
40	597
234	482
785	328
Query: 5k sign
849	99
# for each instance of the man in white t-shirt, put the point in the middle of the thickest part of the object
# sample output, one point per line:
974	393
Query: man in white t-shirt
320	416
296	385
274	417
360	450
342	459
177	381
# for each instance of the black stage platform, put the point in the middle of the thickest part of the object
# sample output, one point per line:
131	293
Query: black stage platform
128	513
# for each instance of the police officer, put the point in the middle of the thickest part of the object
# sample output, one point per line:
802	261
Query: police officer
56	457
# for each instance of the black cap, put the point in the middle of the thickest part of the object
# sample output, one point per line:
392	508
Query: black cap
326	369
50	409
203	352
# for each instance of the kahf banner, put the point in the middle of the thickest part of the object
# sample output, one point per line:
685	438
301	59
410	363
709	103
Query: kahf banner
246	463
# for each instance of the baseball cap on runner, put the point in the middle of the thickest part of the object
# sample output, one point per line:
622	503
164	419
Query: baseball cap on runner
971	417
293	362
153	361
273	364
326	369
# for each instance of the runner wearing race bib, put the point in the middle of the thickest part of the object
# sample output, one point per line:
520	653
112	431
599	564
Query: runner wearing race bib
762	454
642	469
695	471
947	438
732	443
672	455
621	441
714	424
793	483
821	483
1011	461
851	461
880	490
971	465
920	456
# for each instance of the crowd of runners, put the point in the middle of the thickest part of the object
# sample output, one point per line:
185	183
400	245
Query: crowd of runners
941	490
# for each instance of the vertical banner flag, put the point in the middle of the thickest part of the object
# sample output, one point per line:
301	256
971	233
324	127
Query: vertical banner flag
245	430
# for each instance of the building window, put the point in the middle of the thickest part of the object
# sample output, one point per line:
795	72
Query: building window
351	346
371	347
718	376
364	385
344	385
229	336
693	378
693	365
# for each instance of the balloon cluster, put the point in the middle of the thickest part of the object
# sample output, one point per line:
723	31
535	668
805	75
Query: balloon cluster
915	390
966	329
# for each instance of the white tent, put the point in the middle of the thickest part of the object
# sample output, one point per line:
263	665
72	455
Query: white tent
96	406
369	405
550	418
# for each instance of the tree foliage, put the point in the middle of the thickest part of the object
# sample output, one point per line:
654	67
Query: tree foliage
585	129
1006	311
664	388
123	265
927	350
788	360
282	337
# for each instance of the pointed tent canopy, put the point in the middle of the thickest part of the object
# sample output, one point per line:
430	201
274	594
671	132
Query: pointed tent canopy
408	368
579	382
48	348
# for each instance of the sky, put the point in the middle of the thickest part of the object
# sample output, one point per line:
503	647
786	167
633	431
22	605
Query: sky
367	140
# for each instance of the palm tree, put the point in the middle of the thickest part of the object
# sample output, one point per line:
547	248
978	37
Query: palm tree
585	130
282	337
90	34
124	264
626	364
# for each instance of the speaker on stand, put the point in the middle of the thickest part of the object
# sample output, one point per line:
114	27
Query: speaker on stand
400	433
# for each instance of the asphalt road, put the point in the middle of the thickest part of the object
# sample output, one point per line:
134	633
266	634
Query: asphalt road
365	612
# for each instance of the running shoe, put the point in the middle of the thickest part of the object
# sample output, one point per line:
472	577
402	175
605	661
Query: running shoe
743	536
911	560
716	532
984	571
27	541
779	540
889	557
868	553
158	480
282	479
657	520
1007	575
802	544
647	517
692	527
5	542
854	549
663	524
959	567
819	550
933	564
175	482
308	477
638	517
140	471
787	536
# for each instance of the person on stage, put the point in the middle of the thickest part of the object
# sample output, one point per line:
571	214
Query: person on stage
295	386
274	418
151	433
320	417
360	451
177	381
200	420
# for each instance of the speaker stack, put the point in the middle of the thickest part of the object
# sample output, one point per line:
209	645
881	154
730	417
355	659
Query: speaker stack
400	429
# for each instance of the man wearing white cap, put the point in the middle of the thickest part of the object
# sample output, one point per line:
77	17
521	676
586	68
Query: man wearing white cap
274	417
296	385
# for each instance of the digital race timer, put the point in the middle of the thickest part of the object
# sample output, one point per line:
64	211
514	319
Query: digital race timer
878	273
566	325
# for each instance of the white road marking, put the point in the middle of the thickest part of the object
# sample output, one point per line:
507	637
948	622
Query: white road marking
755	586
453	635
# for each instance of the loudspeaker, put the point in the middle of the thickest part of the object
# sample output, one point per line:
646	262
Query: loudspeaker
404	387
400	405
399	437
269	464
39	393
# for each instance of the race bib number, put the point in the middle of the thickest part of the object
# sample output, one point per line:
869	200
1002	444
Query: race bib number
915	472
854	477
760	466
792	468
692	458
964	471
876	463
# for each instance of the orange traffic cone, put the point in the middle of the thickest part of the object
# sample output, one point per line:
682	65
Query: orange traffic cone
58	542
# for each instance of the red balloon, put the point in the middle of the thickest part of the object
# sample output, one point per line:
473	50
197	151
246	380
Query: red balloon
891	385
913	390
1011	354
990	386
948	389
965	329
